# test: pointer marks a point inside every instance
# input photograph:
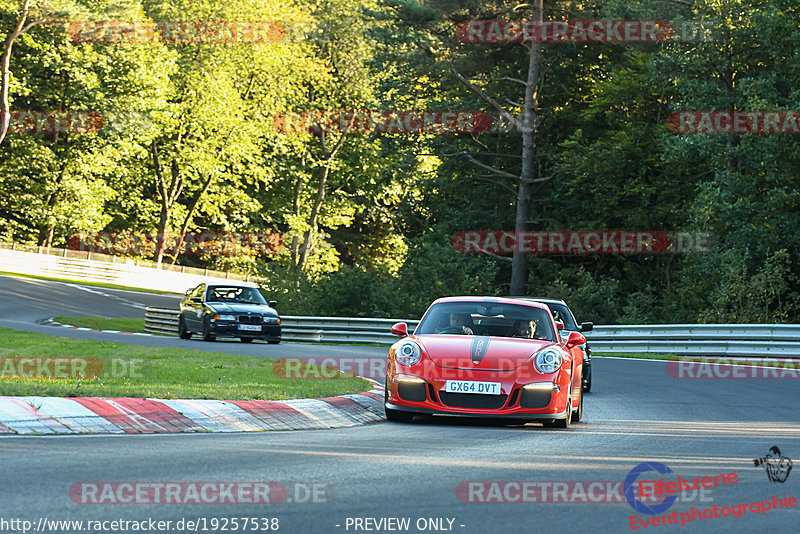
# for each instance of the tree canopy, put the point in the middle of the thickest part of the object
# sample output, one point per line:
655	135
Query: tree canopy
326	122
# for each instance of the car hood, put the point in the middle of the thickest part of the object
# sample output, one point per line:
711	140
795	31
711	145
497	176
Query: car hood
237	307
479	352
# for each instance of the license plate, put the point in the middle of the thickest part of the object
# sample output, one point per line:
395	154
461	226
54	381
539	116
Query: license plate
250	327
468	386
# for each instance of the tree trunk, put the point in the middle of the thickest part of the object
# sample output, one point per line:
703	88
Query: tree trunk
519	263
308	237
168	195
190	214
5	112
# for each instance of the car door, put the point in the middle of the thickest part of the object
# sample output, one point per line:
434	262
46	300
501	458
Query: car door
193	313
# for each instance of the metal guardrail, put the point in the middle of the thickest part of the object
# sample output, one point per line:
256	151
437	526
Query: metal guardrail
300	328
754	340
340	329
161	321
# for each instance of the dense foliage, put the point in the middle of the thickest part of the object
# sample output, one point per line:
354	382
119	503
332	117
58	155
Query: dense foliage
193	143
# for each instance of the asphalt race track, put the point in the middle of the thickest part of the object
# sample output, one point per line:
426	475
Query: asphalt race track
347	480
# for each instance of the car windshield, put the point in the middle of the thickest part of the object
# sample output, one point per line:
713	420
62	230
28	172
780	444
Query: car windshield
562	313
487	319
243	295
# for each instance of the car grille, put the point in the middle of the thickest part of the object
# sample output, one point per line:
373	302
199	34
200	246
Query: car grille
412	391
535	398
470	400
250	319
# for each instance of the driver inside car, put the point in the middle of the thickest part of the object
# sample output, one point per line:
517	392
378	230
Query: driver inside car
524	329
461	321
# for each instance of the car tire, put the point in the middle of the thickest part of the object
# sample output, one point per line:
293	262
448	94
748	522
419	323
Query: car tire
587	387
579	412
246	339
273	341
395	416
561	423
207	335
182	331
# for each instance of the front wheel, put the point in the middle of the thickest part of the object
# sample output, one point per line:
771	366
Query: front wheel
395	416
579	412
561	423
182	331
207	335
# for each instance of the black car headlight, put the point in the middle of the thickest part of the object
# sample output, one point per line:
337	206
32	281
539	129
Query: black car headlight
407	353
548	361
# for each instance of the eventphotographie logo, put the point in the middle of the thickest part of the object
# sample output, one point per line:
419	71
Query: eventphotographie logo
631	481
776	465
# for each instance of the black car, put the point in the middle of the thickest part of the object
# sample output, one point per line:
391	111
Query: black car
228	311
562	313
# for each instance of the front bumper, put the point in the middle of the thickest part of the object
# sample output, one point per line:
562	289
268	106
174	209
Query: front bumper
545	397
265	331
504	415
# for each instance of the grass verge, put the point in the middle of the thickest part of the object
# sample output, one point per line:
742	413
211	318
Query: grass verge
85	283
119	370
102	323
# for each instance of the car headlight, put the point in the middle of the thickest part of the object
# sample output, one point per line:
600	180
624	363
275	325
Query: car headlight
271	320
548	361
407	353
227	317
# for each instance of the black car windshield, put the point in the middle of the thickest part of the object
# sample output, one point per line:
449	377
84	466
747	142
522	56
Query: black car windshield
481	318
243	295
562	313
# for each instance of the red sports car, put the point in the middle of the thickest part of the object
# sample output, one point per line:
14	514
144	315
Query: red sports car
486	356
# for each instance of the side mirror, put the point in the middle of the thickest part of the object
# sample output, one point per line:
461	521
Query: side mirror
274	303
560	325
400	329
587	327
197	300
575	338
